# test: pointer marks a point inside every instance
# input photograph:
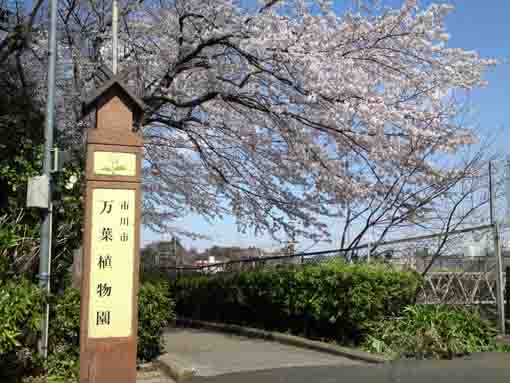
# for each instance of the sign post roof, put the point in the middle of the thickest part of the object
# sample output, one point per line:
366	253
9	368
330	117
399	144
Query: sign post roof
118	113
95	98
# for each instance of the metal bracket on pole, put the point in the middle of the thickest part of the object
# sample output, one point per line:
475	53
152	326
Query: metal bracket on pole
60	158
44	277
56	155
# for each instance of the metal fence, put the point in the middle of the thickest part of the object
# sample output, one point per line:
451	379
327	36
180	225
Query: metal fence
455	270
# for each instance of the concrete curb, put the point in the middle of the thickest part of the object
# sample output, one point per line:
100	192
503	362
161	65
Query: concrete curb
174	370
286	339
503	340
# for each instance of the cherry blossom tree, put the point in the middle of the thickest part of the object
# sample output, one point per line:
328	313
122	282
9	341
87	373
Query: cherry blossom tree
266	107
279	112
457	199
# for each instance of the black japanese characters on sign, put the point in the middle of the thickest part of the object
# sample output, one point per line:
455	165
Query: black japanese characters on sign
104	290
103	318
107	234
104	261
114	219
107	207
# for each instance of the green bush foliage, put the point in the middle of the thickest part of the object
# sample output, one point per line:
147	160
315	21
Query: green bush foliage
64	338
20	315
334	300
155	312
436	332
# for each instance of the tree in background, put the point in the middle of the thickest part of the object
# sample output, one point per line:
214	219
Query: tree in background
21	132
455	200
164	253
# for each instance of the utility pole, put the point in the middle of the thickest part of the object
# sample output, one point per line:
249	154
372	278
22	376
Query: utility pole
177	260
491	195
45	246
499	260
507	191
115	37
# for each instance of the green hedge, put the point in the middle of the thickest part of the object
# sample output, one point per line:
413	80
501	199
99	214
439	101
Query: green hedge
20	314
334	300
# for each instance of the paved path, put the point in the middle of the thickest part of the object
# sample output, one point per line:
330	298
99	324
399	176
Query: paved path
211	353
487	368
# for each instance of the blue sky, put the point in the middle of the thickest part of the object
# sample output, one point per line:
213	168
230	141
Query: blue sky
475	25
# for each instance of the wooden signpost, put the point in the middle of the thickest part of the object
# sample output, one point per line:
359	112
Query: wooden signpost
108	332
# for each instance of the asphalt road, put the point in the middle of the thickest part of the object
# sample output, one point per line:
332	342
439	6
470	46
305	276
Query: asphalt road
486	368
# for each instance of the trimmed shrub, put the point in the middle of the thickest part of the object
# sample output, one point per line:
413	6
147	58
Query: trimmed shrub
334	300
155	312
436	332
